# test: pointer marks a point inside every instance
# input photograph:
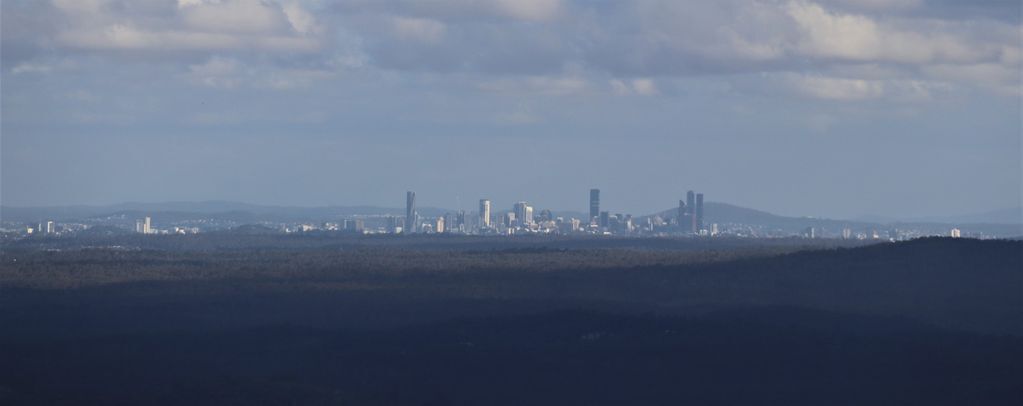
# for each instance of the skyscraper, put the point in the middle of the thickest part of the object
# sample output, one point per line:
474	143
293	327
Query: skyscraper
594	203
410	212
484	214
523	213
691	211
681	212
699	212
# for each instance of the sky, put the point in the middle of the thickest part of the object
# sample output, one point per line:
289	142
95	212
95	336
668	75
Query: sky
834	108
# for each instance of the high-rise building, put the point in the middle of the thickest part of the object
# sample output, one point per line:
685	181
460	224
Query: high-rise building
681	212
605	219
144	226
484	214
411	221
459	220
46	227
594	203
523	213
394	224
439	227
691	211
509	219
699	212
354	225
955	233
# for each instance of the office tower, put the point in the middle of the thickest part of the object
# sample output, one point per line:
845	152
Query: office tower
410	212
393	224
528	220
594	203
354	225
690	202
846	233
509	219
605	219
699	212
520	212
143	226
955	233
439	227
681	212
484	214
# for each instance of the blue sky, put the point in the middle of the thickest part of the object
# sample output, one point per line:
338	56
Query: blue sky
828	108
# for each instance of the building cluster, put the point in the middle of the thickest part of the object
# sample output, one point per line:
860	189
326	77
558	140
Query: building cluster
524	218
145	226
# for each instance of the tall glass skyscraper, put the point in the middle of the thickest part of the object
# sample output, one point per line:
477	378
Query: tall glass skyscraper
410	212
484	214
594	203
699	212
690	210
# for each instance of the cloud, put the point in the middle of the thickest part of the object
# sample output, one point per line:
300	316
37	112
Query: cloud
838	88
879	5
28	67
193	25
549	85
228	73
534	10
640	86
418	29
242	16
860	38
845	48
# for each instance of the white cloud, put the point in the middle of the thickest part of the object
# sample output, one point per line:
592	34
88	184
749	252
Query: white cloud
550	85
301	20
418	29
534	10
228	73
29	67
245	16
855	37
196	25
640	86
992	76
837	88
881	5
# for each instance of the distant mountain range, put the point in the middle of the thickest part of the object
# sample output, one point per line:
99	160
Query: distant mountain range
724	213
993	223
1001	216
1005	222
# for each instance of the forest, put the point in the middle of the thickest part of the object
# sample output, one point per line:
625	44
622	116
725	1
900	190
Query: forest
332	319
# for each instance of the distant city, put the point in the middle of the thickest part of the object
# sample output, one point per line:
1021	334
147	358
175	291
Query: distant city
688	219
